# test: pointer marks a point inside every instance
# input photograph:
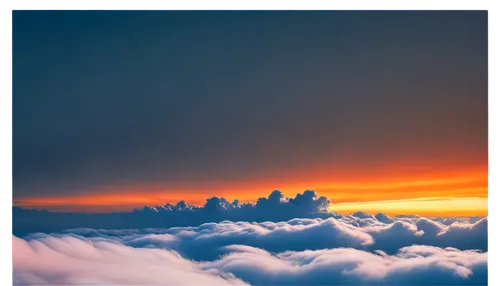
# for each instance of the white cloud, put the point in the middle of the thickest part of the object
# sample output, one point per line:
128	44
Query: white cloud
206	241
71	260
346	266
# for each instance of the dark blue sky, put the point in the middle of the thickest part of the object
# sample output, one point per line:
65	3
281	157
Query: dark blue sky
107	98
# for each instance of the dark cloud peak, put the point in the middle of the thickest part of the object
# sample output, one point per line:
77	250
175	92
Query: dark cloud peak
362	215
307	203
384	218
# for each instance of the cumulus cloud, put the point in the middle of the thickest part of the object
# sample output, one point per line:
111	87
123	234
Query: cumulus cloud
72	259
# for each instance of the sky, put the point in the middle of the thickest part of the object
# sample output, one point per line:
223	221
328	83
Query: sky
380	111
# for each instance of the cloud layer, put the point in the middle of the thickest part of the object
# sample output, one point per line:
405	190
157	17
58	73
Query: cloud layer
346	266
68	260
206	242
72	259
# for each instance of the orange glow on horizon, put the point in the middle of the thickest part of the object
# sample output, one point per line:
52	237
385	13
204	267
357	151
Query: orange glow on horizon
431	206
451	193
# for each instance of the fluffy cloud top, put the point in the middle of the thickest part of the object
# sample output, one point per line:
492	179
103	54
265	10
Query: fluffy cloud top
207	241
415	265
72	259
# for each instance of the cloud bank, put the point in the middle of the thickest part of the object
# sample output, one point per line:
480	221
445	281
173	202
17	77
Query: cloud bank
206	242
72	259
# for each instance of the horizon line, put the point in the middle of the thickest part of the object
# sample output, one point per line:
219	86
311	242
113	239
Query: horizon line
424	206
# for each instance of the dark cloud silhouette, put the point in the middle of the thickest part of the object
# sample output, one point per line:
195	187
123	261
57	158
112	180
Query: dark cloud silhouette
276	207
363	215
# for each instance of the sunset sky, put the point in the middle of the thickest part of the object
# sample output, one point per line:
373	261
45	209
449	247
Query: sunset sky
377	111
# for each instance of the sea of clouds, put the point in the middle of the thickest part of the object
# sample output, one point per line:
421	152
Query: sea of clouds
358	249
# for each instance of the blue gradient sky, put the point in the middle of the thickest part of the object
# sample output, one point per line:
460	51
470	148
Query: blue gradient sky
160	106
